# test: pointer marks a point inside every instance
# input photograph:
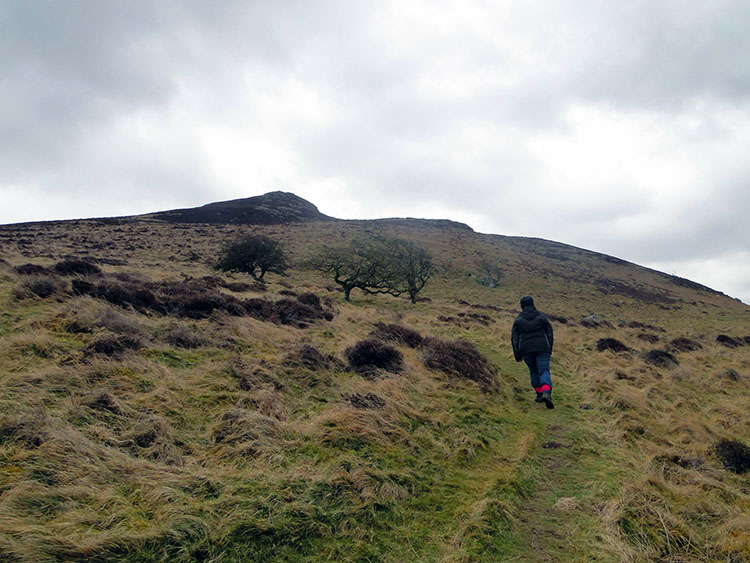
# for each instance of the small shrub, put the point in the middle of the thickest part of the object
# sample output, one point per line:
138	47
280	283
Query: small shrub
31	270
660	358
611	344
650	338
368	354
42	286
460	359
75	266
293	312
261	309
242	287
734	455
398	333
728	341
120	293
310	299
202	305
683	344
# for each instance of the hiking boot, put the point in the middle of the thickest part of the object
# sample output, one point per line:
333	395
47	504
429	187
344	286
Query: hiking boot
547	399
538	397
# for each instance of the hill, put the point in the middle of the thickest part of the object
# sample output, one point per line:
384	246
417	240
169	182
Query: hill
153	410
273	208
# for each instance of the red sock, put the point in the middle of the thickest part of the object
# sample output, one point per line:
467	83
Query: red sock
545	387
538	389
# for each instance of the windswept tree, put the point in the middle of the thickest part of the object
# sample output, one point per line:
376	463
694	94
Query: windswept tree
377	265
492	273
413	266
254	255
361	265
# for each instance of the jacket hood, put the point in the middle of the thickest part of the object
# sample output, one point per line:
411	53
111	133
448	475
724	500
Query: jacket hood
529	312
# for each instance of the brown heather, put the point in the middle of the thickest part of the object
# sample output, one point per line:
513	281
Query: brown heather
152	410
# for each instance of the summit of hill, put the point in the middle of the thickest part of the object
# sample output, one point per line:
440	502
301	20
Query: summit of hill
154	408
273	208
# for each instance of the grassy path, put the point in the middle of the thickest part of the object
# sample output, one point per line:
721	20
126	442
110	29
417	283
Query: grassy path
576	475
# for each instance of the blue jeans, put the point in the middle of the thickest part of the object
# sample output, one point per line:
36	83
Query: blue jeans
538	363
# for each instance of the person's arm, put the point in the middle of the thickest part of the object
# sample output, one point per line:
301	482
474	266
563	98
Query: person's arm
550	335
514	342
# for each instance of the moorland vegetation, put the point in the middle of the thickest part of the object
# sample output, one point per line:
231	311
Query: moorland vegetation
154	409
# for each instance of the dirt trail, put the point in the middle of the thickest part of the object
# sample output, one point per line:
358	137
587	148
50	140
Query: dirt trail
539	517
574	472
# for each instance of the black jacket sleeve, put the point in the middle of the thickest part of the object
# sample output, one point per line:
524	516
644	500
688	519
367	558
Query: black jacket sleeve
548	332
514	342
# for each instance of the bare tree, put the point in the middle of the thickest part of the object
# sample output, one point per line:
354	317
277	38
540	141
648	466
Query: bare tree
413	266
377	265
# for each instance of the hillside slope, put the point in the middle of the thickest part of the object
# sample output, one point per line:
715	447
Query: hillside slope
157	411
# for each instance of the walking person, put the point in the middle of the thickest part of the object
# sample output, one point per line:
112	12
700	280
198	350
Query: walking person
532	339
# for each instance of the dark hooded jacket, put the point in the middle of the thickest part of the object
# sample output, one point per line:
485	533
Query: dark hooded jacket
532	332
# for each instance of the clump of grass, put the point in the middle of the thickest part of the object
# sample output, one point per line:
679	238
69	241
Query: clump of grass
103	400
461	360
109	344
368	355
245	432
29	429
85	315
184	336
647	523
311	358
367	401
252	375
353	429
398	333
729	374
734	455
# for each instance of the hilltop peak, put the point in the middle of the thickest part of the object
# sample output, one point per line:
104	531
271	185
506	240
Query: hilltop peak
272	208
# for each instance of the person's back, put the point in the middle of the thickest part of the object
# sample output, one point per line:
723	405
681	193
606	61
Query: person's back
532	340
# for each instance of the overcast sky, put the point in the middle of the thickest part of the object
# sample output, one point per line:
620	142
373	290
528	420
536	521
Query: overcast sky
621	127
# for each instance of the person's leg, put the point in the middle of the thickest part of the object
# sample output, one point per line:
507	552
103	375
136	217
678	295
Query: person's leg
532	363
542	368
545	379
